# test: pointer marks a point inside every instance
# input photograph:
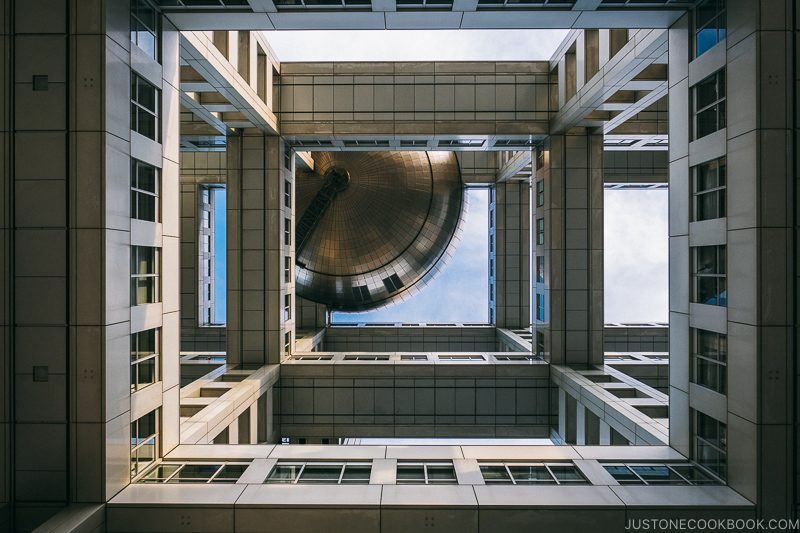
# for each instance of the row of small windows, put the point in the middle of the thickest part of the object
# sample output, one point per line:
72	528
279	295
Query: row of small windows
427	473
659	474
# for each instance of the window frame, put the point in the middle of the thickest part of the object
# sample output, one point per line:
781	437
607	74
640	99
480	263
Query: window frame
426	479
137	107
137	359
720	449
145	28
548	466
540	193
296	479
215	477
136	276
639	480
719	190
720	361
155	437
719	275
137	192
720	103
720	18
540	231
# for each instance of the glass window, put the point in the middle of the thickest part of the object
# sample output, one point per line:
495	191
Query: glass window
145	275
708	190
287	342
145	101
144	442
540	193
540	343
711	444
145	349
287	307
540	231
287	231
708	273
287	193
532	474
195	473
709	356
659	474
144	191
709	104
539	269
287	269
709	25
540	307
440	473
322	473
145	23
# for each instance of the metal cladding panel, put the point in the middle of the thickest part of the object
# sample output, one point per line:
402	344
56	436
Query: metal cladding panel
377	238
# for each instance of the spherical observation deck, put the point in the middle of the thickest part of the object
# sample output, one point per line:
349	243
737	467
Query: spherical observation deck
372	227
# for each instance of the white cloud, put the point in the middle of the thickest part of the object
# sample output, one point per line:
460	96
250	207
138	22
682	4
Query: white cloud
636	254
415	45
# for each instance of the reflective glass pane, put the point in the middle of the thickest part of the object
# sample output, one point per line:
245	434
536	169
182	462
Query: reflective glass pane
655	474
441	474
410	473
566	474
283	474
531	474
320	474
495	474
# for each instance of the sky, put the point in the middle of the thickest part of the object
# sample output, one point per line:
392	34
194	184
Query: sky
415	45
460	292
636	246
220	267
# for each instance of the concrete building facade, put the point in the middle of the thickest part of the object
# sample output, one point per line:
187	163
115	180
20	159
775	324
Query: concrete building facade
127	407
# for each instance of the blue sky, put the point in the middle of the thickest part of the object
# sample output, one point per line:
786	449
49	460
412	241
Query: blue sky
220	242
460	292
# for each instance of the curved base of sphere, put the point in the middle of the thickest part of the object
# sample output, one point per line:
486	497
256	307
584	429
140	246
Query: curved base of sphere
386	234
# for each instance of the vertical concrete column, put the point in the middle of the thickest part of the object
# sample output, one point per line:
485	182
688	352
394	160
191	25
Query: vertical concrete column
761	149
605	433
6	273
257	219
572	224
580	424
233	432
67	145
758	141
562	414
253	414
679	420
512	255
